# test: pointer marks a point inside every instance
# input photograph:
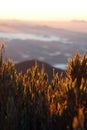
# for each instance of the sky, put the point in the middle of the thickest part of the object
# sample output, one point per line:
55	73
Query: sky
44	10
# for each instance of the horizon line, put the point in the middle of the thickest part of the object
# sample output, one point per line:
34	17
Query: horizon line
27	20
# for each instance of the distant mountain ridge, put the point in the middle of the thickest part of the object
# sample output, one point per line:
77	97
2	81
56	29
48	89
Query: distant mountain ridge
79	21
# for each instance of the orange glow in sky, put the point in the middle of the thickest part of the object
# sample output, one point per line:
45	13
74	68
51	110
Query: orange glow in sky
43	9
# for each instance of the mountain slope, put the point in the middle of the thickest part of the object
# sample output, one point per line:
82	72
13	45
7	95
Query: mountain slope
23	66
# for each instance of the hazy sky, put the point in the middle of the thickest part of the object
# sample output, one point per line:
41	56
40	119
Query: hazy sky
43	9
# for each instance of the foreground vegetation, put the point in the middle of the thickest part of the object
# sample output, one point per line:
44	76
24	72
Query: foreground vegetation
30	102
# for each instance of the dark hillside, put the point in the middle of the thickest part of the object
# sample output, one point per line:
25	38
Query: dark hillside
23	66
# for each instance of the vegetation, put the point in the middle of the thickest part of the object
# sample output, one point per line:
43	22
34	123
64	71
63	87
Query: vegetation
30	102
